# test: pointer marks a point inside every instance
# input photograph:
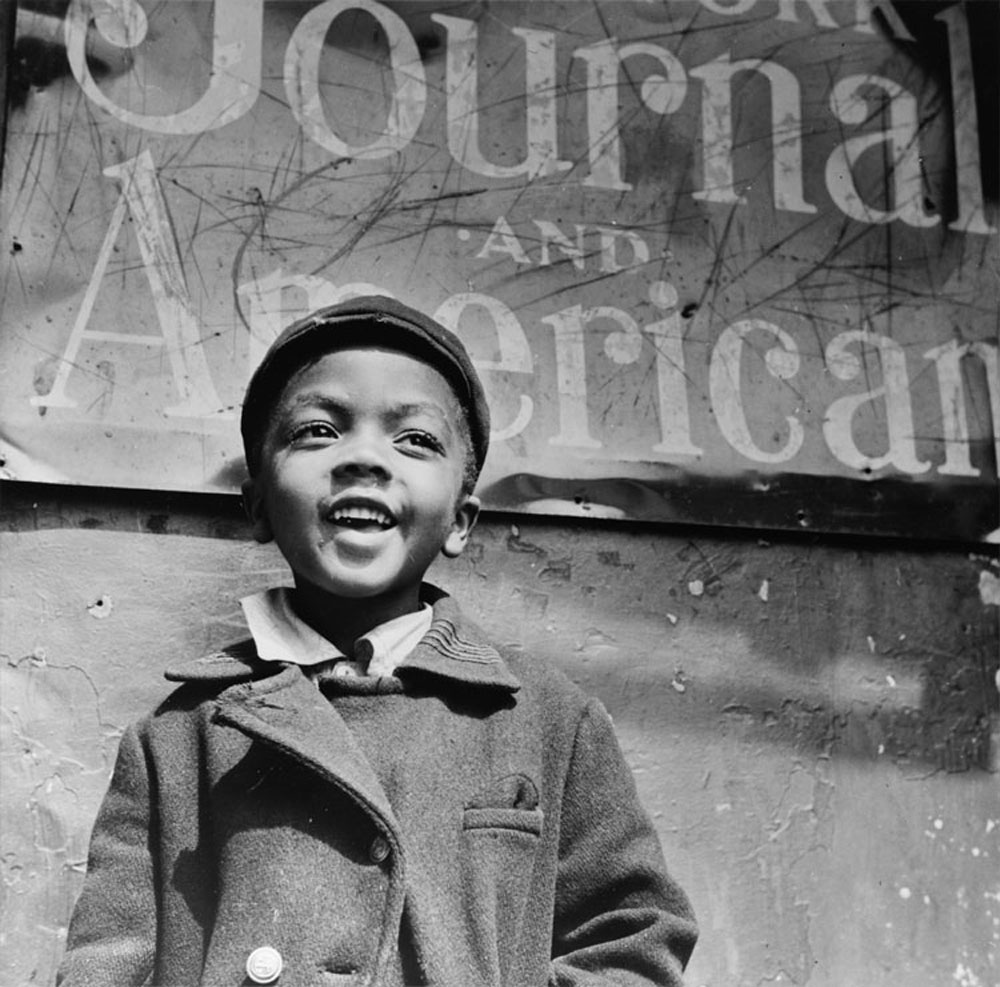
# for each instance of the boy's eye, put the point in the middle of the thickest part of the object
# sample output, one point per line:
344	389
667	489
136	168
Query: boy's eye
312	430
421	440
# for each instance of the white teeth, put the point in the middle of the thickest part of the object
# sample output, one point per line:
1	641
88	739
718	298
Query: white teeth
361	513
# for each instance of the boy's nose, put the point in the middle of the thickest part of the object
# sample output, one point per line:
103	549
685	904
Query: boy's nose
362	459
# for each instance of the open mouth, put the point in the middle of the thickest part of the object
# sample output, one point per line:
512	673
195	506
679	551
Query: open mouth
361	517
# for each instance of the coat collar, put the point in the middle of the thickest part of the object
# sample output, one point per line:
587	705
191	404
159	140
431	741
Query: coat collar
453	650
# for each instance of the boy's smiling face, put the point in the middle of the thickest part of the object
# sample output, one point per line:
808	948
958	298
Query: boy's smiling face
361	478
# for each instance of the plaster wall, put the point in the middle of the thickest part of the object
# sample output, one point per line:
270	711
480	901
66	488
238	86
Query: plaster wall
813	724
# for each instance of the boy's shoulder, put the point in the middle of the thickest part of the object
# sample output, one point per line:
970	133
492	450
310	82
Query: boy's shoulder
228	666
470	638
533	678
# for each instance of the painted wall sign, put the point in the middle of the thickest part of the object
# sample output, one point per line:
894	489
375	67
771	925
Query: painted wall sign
727	261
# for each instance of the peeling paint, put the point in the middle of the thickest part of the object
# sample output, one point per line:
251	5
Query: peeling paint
101	608
596	642
989	588
965	977
516	544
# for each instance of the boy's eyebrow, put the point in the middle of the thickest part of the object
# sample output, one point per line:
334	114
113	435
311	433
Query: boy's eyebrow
314	399
420	408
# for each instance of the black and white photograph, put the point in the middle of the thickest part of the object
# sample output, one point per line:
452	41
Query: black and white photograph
499	493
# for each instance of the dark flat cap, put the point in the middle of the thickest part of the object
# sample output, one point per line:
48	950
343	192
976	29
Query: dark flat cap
373	320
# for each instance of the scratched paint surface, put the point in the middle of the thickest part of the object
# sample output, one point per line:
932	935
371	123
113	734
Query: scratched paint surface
685	241
814	727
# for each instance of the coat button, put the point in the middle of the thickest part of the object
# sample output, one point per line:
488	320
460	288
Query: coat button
379	850
264	965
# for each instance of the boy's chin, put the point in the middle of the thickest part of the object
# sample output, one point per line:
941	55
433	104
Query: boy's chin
359	590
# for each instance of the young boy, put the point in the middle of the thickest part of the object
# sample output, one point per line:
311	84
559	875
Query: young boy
368	792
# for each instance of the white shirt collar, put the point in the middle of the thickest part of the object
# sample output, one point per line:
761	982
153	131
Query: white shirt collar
281	635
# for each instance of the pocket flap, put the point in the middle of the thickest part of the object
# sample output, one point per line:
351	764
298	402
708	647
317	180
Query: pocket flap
522	820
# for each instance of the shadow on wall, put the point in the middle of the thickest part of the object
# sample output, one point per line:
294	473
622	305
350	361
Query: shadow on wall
889	653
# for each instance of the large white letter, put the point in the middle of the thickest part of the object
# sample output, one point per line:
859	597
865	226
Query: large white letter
179	324
717	130
622	346
725	387
515	354
302	82
671	377
662	94
895	388
503	240
233	85
902	167
462	84
954	421
968	176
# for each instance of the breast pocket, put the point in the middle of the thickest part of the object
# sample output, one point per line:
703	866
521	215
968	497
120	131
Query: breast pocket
500	844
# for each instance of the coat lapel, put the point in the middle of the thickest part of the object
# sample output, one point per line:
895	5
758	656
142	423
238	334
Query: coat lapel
288	713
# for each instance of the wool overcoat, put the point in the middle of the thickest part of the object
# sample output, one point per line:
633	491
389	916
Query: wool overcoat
470	822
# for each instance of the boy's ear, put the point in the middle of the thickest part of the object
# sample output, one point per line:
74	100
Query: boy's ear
253	504
466	512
